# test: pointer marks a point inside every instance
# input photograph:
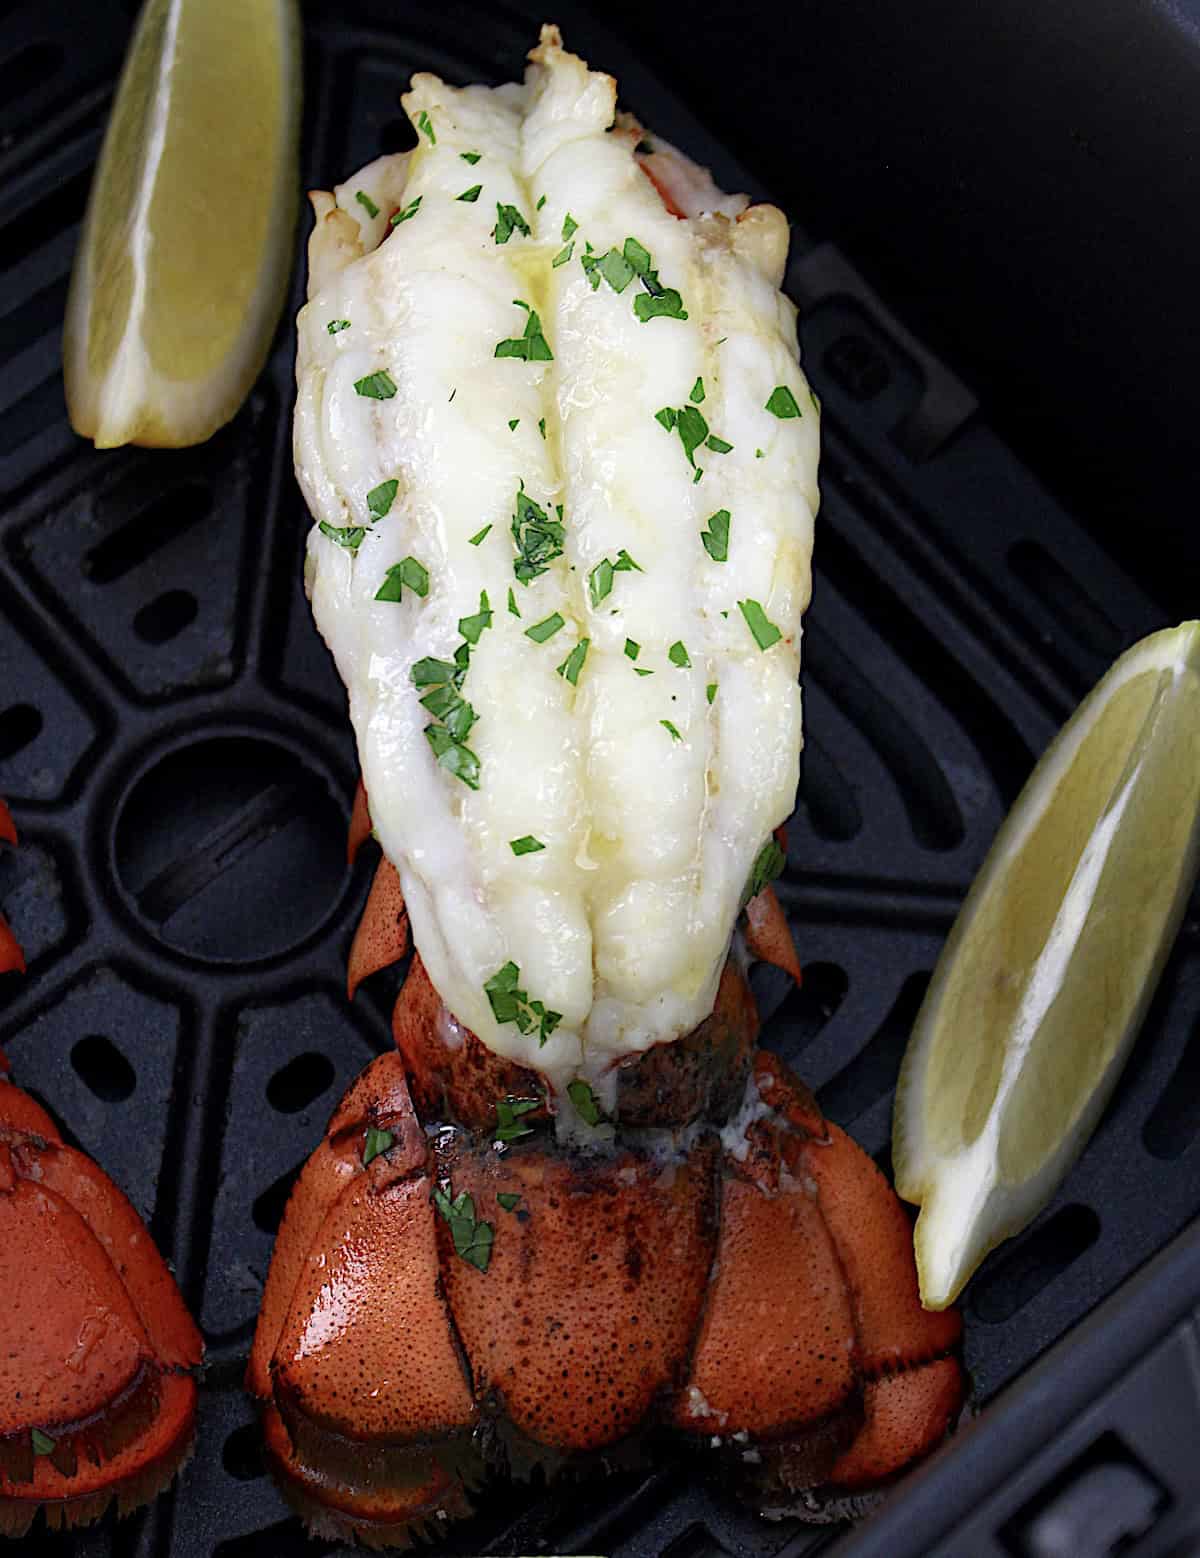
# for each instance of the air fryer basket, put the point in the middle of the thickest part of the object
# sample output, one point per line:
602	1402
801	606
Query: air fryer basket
174	744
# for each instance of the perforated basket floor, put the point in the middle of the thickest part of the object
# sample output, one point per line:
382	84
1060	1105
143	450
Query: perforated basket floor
173	741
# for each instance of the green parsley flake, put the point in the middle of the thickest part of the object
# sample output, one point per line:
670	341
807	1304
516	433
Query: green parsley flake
526	846
697	394
349	536
472	627
508	221
367	204
425	125
508	1200
381	498
408	573
530	347
472	1238
642	672
768	864
689	424
335	325
406	213
619	267
538	538
470	196
508	1115
540	203
377	1142
376	386
678	655
600	580
765	632
509	1003
668	305
453	756
716	537
42	1443
782	403
563	255
710	692
542	426
514	424
570	225
443	679
478	536
670	729
573	664
717	445
546	628
758	454
632	650
512	603
586	1105
470	156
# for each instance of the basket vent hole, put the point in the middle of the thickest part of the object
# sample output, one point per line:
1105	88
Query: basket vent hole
103	1069
20	724
828	798
1174	1123
241	1454
28	70
300	1083
157	524
1060	593
1020	1274
165	617
873	1071
268	1208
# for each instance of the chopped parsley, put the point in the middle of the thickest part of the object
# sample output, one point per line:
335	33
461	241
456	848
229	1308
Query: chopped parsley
425	125
470	196
717	445
381	498
710	692
538	538
573	664
376	386
472	627
42	1443
470	156
508	1200
670	729
716	537
697	395
758	454
546	628
632	650
508	221
618	268
765	632
689	424
768	863
453	756
678	655
408	573
540	203
472	1237
509	1003
642	672
508	1116
514	424
512	603
782	403
367	203
335	325
526	846
349	536
443	699
586	1105
406	213
542	426
478	536
600	580
377	1141
563	255
570	225
532	346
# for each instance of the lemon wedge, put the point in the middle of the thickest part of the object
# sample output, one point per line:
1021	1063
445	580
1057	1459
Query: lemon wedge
1047	974
182	265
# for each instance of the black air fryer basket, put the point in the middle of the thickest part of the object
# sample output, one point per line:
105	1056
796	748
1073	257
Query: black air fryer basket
174	743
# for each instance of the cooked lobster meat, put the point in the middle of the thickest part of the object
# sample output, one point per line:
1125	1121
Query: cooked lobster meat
561	459
97	1395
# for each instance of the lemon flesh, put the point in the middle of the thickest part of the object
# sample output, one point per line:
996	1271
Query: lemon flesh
1047	974
182	265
